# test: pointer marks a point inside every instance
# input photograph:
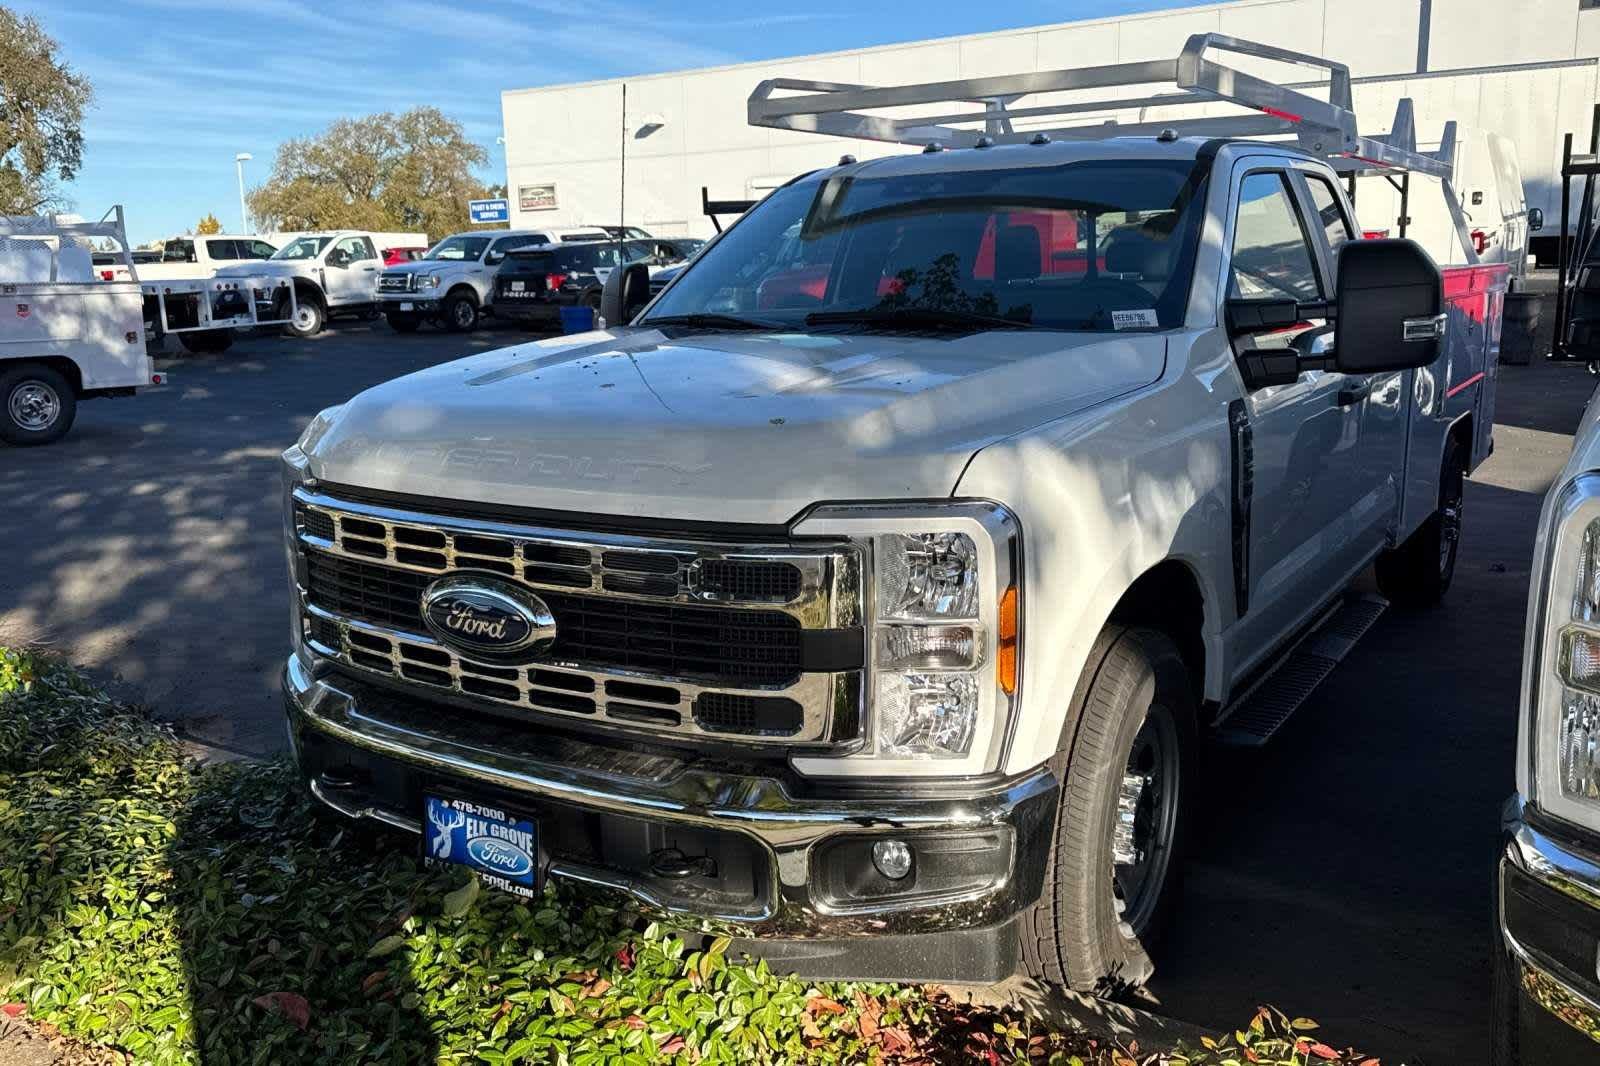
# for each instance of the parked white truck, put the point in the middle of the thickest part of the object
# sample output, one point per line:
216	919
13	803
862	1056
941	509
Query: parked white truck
331	273
65	335
201	256
869	594
454	282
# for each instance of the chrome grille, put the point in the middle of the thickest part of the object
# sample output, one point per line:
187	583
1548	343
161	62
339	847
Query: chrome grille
701	641
653	635
395	282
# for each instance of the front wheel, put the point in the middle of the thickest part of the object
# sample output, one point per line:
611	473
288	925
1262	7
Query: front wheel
37	405
308	319
1418	573
460	314
1120	817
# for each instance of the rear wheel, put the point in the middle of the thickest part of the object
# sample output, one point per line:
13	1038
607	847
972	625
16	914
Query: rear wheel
1120	819
37	405
460	313
207	341
402	323
1418	573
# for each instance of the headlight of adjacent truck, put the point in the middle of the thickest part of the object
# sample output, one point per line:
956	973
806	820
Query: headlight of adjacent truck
430	281
944	614
1565	688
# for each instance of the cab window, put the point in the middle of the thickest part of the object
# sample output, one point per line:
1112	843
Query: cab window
1331	215
221	249
1272	256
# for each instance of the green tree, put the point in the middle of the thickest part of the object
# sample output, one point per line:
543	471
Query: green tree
411	171
41	112
208	225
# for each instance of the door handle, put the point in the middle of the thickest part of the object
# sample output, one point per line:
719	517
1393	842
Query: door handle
1354	393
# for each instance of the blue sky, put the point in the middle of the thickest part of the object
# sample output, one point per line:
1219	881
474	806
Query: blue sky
183	85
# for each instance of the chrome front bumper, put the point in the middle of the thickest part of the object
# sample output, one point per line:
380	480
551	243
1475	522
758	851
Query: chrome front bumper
999	831
1548	909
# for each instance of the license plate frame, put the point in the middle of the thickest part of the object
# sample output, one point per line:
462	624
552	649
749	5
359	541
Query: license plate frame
502	845
407	305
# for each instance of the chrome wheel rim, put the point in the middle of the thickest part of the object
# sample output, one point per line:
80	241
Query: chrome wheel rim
1146	821
464	314
34	406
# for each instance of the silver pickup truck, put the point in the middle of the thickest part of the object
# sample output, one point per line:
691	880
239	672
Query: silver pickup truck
868	590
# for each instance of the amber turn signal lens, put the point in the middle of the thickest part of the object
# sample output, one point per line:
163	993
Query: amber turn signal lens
1006	659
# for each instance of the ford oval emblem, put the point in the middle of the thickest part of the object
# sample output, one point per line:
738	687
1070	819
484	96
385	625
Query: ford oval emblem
483	614
501	856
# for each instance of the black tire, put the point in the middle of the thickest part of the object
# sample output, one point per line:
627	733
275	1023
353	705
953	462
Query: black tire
402	323
1418	573
310	317
459	313
207	341
37	405
1096	924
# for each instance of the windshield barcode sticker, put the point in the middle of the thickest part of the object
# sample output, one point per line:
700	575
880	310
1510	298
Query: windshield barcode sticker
1144	318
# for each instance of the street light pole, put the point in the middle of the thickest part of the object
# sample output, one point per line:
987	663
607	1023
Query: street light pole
244	215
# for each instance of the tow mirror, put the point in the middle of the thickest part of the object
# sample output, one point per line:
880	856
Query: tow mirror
1535	219
626	291
1390	309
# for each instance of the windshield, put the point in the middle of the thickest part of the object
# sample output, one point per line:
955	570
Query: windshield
302	248
459	249
1089	245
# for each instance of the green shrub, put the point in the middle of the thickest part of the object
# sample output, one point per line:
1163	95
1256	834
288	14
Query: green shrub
185	913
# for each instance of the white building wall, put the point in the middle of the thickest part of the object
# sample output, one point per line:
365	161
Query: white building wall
571	136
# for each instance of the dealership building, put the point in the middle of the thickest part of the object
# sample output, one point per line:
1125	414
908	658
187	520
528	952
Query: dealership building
645	149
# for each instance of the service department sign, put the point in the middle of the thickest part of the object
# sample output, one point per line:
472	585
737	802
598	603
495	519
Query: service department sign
536	197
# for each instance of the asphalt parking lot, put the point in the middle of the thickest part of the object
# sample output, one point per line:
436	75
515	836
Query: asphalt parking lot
1342	872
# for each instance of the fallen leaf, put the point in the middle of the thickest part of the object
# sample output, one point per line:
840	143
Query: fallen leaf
635	1022
290	1005
1323	1051
824	1005
597	988
372	981
14	1010
673	1046
898	1040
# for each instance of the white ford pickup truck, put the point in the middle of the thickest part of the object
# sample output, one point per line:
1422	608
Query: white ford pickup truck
870	593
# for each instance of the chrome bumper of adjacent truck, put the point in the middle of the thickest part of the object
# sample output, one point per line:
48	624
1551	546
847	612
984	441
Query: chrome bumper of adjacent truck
1548	907
794	871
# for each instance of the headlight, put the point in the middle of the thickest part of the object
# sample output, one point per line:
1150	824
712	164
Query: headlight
943	611
431	281
1565	687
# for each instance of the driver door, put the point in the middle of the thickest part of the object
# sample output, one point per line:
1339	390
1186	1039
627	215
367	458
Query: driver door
1306	533
355	281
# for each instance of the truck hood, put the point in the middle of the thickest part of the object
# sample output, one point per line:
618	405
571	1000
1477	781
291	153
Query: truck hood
721	427
431	266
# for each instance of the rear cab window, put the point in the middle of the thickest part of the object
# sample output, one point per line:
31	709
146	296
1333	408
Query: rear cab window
222	249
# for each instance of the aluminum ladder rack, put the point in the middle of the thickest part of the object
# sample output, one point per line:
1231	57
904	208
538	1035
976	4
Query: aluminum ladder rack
1325	128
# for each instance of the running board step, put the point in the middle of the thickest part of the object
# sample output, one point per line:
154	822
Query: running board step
1251	720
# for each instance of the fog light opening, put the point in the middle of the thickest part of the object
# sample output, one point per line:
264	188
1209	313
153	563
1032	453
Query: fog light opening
892	858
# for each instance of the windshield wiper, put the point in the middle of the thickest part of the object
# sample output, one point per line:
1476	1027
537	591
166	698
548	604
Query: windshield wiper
915	318
708	320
